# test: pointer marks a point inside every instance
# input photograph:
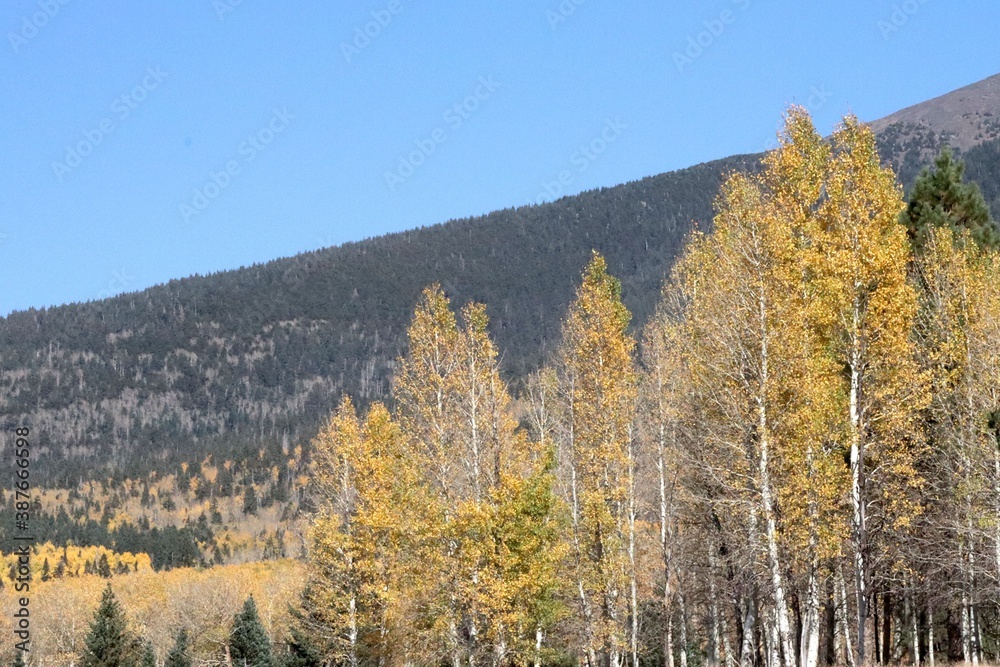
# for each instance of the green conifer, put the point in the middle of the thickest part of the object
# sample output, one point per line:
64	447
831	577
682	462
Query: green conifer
249	645
148	655
110	643
179	656
941	198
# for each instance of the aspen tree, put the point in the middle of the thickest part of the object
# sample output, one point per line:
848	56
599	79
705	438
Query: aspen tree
487	478
424	389
368	533
663	384
598	389
960	344
336	588
738	318
864	310
811	494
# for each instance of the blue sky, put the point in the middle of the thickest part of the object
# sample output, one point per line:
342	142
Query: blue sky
150	141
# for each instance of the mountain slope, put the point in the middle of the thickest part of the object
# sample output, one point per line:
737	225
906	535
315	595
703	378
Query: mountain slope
239	363
966	117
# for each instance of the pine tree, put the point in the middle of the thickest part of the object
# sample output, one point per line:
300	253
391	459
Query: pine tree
148	658
103	566
110	643
302	651
941	198
179	656
249	645
250	504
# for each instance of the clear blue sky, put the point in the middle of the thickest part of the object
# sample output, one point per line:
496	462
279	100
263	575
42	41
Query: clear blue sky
114	114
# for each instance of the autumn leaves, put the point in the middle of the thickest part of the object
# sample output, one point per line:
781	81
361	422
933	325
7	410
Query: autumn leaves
743	484
436	536
795	338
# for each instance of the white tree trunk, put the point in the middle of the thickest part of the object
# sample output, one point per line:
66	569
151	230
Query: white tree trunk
858	506
668	648
774	643
684	634
843	615
352	632
666	542
966	645
633	585
767	495
783	626
810	621
747	655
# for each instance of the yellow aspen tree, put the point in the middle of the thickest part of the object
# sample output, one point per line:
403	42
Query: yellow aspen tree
424	389
391	520
484	447
987	372
714	454
863	310
662	388
761	388
960	345
599	385
508	537
811	465
457	413
334	583
369	523
739	316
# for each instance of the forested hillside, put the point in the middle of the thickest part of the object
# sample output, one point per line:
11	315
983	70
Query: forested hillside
232	362
229	363
801	423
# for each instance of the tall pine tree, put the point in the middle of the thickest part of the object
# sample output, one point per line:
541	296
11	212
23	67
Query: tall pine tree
249	645
941	198
110	642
